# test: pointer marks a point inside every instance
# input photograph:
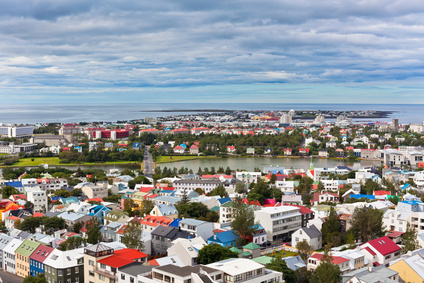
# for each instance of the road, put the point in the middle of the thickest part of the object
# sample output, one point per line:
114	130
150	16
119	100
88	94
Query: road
148	166
7	277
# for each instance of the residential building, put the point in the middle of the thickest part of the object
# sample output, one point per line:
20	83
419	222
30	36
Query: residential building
372	274
39	199
316	259
164	210
409	268
190	185
175	274
162	238
324	197
310	234
9	255
22	254
4	241
65	266
245	270
248	177
130	272
279	222
187	249
95	191
37	258
197	228
225	239
381	251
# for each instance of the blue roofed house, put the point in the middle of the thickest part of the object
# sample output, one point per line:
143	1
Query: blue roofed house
259	236
69	200
175	223
294	262
16	185
225	239
161	209
99	211
224	200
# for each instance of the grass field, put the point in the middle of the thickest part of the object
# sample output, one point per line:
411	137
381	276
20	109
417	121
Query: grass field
163	159
55	161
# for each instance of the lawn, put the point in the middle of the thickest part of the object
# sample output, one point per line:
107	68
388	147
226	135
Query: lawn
163	159
282	253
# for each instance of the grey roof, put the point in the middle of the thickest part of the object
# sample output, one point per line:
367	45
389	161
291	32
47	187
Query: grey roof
4	240
135	269
167	209
16	233
186	271
52	214
170	232
98	248
377	275
169	199
294	262
312	231
192	221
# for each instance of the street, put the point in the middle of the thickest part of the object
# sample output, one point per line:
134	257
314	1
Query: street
7	277
148	166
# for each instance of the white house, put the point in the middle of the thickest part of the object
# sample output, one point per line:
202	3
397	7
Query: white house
311	234
381	251
187	249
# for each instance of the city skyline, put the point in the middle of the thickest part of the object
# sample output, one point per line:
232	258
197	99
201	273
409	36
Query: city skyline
235	51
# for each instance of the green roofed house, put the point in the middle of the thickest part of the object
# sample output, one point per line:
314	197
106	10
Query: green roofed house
22	254
263	259
235	250
253	249
246	254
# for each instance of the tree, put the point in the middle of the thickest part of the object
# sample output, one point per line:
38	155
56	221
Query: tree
53	223
273	179
71	243
8	191
244	219
62	193
304	250
29	205
3	228
93	231
327	272
367	223
278	264
331	229
409	239
76	192
39	279
132	237
30	223
213	253
241	188
77	226
219	191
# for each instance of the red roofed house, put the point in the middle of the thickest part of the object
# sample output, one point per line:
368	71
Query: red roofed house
194	149
382	194
324	197
17	197
179	149
150	222
304	151
37	258
231	149
315	260
381	251
307	214
180	131
287	151
94	199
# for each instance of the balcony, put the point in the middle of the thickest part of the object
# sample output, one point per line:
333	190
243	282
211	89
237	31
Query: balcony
106	273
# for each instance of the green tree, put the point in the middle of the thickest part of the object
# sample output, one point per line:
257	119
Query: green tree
192	209
3	228
304	250
241	188
29	205
62	193
39	279
278	264
132	237
77	226
30	223
327	272
76	192
8	191
273	179
367	223
93	231
219	191
244	219
52	224
409	239
331	229
213	253
71	243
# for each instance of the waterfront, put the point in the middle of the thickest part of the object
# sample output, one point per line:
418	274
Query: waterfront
250	163
406	113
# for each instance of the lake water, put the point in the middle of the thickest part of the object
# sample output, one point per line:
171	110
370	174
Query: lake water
250	163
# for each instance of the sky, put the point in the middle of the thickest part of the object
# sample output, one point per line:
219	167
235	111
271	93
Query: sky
327	51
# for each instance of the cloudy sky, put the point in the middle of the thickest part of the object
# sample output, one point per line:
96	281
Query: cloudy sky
327	51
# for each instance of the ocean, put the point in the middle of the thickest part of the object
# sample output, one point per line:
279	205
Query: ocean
41	113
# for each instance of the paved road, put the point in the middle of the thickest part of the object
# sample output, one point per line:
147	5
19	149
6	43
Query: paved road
148	166
7	277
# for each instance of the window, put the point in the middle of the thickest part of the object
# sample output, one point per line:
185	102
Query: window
90	262
69	280
237	278
91	273
59	272
218	277
76	279
122	276
102	265
101	277
68	271
249	274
